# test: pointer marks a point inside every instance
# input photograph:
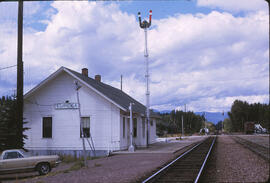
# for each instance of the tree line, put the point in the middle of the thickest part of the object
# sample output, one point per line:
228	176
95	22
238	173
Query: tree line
242	112
171	123
9	124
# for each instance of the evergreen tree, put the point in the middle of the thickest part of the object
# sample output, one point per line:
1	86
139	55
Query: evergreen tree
242	112
9	124
172	122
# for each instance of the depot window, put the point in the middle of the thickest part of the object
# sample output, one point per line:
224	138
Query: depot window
47	127
143	127
124	127
85	122
134	127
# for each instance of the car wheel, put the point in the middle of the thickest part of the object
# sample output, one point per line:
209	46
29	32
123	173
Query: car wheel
43	168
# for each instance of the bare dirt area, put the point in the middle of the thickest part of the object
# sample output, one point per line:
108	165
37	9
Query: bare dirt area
117	168
123	167
231	162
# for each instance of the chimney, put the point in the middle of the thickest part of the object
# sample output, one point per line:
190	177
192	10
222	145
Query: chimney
85	72
98	78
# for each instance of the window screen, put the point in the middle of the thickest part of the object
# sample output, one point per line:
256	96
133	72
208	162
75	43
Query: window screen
85	122
47	127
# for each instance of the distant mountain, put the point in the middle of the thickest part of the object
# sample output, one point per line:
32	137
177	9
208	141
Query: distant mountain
214	117
164	111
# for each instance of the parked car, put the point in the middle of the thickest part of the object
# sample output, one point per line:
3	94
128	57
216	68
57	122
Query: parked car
204	131
17	160
259	129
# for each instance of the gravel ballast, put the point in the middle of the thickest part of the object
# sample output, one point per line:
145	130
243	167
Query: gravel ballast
231	162
262	140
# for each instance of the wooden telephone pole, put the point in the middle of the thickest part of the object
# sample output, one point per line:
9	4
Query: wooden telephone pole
20	73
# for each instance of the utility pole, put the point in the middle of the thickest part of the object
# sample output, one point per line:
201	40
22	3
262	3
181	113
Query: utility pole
20	72
204	121
80	116
121	81
268	2
222	128
185	118
182	126
131	147
145	25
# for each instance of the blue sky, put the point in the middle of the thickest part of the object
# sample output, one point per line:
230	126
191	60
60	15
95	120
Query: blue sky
203	53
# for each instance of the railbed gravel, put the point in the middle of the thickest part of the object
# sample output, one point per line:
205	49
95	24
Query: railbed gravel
231	162
262	140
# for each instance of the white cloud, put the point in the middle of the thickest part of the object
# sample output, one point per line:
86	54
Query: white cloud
220	104
8	11
203	60
235	6
211	55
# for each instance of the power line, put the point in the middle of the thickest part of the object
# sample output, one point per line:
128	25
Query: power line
7	67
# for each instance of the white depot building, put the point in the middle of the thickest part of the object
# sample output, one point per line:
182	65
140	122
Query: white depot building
53	115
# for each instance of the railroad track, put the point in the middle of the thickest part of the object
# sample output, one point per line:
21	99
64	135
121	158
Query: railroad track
256	148
187	167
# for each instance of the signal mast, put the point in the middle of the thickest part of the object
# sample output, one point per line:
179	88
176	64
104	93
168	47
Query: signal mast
145	25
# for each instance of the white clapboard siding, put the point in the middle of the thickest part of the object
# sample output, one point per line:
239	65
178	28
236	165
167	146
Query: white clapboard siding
104	117
106	122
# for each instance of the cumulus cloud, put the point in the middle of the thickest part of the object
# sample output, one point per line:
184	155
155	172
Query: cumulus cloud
235	6
215	55
220	104
203	60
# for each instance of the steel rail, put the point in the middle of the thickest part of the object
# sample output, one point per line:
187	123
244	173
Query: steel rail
258	149
171	163
202	167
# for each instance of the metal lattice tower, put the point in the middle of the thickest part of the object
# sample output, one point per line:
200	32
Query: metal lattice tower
145	25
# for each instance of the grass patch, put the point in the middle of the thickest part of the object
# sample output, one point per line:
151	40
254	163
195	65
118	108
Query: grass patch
97	165
76	166
39	181
72	159
179	138
68	158
66	171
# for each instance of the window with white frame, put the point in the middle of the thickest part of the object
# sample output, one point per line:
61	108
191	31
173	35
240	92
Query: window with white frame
85	126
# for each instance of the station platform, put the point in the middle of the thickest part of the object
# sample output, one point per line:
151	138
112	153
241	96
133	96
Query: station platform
166	145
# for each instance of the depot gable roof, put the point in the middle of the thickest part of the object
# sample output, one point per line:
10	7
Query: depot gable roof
114	95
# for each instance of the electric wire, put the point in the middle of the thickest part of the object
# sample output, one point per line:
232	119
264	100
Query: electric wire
7	67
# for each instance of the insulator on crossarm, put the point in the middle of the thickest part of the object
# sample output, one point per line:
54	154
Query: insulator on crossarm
140	19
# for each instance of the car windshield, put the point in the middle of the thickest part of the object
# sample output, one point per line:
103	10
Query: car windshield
24	153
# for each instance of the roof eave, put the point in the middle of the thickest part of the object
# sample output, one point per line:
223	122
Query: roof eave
92	88
42	83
